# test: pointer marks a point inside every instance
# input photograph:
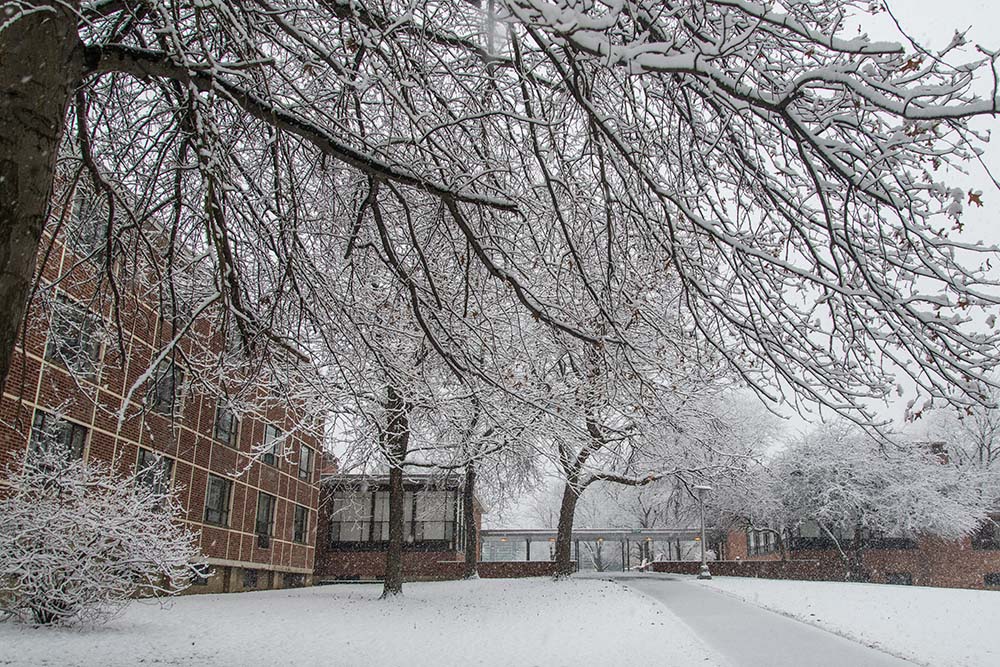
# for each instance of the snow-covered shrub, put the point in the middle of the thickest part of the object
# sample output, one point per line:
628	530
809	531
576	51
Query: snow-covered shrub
78	541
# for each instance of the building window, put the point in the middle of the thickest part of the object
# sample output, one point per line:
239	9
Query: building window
899	578
434	516
300	524
217	498
307	458
167	381
73	339
264	526
761	542
87	228
429	518
272	442
351	516
200	575
50	431
988	535
154	471
227	426
250	579
992	579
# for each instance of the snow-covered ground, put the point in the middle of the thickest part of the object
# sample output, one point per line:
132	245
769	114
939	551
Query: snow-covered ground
485	622
943	627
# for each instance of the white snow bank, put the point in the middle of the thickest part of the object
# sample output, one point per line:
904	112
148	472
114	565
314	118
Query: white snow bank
943	627
484	622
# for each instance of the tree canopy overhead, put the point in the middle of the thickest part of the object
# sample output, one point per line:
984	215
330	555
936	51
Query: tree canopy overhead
788	178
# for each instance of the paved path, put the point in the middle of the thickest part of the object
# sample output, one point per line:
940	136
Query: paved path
749	636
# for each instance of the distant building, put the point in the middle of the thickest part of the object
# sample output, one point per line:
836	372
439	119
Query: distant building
923	561
354	527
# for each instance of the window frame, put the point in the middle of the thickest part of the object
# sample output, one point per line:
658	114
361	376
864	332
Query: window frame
306	471
65	426
368	519
234	425
987	535
226	512
165	481
79	230
269	455
176	401
66	310
272	503
300	529
899	578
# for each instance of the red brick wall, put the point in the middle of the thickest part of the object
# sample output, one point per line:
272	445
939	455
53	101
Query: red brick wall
935	562
370	565
515	569
188	438
424	566
806	570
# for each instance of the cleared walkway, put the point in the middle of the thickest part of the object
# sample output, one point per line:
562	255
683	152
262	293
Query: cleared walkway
750	636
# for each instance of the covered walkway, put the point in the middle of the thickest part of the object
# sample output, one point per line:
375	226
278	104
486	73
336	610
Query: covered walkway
602	549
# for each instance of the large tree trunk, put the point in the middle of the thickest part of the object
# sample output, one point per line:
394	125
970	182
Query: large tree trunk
40	67
471	569
564	532
397	444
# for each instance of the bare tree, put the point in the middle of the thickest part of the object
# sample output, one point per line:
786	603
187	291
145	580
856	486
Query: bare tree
790	176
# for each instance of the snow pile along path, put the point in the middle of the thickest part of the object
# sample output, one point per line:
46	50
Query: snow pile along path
484	622
943	627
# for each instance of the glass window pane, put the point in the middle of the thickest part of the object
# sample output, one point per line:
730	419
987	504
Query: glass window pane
48	430
226	424
381	506
73	339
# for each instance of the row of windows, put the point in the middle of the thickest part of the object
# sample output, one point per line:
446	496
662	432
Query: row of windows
218	501
761	542
226	431
73	436
360	517
156	471
74	343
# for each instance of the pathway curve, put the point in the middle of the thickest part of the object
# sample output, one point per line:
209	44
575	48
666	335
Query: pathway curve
750	636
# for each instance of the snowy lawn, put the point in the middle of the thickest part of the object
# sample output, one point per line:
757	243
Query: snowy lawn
485	622
942	627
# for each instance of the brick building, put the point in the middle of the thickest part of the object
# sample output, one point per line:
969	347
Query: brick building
353	531
256	514
924	561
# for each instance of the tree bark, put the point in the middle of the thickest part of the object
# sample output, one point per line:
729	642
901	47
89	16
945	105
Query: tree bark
397	443
564	532
41	64
471	569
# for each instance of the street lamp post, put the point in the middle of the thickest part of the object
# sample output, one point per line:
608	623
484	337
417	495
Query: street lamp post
703	572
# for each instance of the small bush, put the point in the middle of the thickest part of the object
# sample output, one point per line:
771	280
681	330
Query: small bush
78	542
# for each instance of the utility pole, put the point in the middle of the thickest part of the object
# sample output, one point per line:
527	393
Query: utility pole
703	572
